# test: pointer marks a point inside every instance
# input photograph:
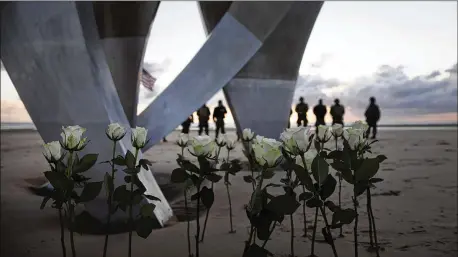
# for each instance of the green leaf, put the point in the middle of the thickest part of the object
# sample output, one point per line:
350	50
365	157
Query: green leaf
61	167
91	191
359	188
235	166
145	163
331	206
248	179
207	197
320	169
345	216
119	160
144	227
132	171
147	210
108	180
304	177
213	177
195	196
335	155
328	187
346	172
305	196
127	178
130	160
86	163
225	166
59	180
187	165
381	158
43	203
268	174
314	202
152	198
256	251
179	175
283	204
375	180
367	169
121	195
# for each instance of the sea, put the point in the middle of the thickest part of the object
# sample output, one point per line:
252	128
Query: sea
8	126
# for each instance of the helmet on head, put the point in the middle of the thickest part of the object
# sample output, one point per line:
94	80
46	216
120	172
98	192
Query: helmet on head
372	99
336	101
301	99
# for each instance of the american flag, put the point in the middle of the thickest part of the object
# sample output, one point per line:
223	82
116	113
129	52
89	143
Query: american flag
148	80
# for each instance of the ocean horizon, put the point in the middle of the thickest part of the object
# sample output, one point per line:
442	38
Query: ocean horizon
6	126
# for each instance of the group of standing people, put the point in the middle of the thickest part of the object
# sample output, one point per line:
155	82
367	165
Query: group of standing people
337	112
203	114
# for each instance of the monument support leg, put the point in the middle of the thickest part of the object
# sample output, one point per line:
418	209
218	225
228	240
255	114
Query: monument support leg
124	29
260	95
53	55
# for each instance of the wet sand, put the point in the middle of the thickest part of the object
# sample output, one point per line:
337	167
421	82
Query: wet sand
415	207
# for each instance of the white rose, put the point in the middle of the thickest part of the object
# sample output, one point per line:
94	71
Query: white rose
220	141
52	151
115	131
72	137
309	156
139	137
324	133
202	146
247	134
258	139
296	140
355	138
361	125
337	130
267	151
230	144
183	140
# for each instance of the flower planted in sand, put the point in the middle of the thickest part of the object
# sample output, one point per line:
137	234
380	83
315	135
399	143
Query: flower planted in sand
297	141
66	177
267	155
125	197
114	132
230	168
358	171
220	143
201	147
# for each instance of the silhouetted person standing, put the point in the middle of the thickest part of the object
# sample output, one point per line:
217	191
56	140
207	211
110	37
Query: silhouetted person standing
289	119
320	111
337	112
372	117
187	124
302	109
219	113
204	115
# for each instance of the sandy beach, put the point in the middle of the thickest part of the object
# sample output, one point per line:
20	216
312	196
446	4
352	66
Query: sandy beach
415	207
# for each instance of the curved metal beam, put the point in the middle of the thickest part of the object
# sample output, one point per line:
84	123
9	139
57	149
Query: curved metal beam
236	38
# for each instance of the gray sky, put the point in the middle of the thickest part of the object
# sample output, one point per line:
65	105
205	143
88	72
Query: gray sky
356	49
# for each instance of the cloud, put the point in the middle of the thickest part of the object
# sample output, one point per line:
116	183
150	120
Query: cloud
396	92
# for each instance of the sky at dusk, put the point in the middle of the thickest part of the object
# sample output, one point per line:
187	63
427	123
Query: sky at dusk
403	53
